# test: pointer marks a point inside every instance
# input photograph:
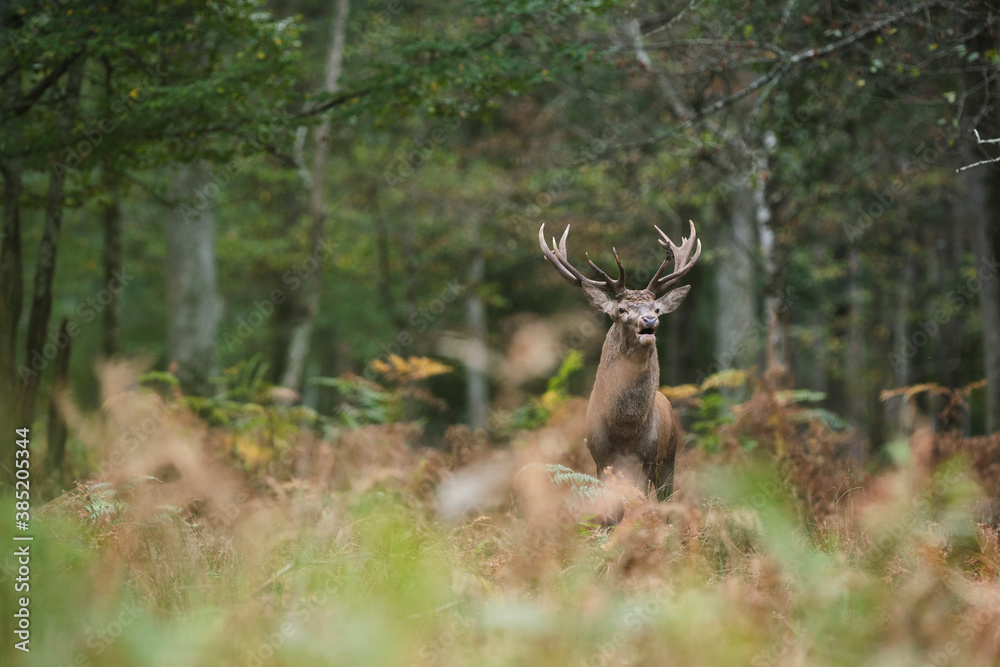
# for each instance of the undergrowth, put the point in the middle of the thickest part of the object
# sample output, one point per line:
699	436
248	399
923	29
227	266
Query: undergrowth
334	549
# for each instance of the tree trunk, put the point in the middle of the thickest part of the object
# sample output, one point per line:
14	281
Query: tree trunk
776	370
111	219
193	304
57	426
819	379
737	330
383	247
854	363
477	358
11	290
900	411
301	332
38	347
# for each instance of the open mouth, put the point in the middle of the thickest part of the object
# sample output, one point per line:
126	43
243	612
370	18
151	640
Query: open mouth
647	334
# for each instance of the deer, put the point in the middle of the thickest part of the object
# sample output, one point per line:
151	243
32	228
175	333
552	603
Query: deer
631	426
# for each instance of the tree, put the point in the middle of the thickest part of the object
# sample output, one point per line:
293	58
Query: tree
63	125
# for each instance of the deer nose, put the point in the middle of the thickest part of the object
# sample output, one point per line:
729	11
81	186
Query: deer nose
649	321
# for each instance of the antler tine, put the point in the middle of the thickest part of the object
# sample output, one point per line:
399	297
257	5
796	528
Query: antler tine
616	286
680	255
558	257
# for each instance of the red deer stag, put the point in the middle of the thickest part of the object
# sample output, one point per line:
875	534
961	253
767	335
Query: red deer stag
630	424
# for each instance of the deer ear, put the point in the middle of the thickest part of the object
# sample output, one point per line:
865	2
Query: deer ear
599	300
668	302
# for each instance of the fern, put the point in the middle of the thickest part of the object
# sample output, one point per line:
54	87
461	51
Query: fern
731	378
582	484
570	365
537	412
831	419
364	402
800	396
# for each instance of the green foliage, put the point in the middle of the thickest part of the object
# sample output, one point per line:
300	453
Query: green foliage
537	411
713	412
363	401
580	483
105	503
570	365
246	402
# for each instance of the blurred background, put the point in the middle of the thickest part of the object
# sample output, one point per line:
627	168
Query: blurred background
312	187
297	378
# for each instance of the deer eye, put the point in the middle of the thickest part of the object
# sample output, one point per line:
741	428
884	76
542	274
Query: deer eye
621	310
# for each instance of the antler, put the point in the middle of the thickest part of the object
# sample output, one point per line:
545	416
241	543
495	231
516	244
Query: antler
557	256
681	255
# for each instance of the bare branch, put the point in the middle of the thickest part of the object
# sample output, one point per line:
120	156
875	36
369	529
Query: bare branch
980	141
782	65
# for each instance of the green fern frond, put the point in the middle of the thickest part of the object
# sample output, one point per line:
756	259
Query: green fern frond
800	396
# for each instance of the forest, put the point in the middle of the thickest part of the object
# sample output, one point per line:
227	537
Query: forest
287	379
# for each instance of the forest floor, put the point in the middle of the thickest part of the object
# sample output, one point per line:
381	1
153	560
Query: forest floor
205	545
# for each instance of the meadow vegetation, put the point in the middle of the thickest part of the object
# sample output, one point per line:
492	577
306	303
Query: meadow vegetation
237	530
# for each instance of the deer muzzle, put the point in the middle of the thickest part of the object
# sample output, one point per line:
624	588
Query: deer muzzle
647	329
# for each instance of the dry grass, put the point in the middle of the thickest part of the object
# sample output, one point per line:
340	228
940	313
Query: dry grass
373	549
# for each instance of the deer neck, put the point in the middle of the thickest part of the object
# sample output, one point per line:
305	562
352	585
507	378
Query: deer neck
628	373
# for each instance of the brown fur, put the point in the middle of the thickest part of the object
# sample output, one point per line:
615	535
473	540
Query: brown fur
631	425
632	428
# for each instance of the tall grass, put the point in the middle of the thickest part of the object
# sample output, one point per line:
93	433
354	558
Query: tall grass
190	551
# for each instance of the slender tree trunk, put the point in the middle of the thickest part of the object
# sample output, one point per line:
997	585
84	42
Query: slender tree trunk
819	379
776	357
477	382
11	268
383	247
11	297
877	377
900	409
854	363
193	304
111	220
301	333
57	425
737	330
45	267
11	282
410	272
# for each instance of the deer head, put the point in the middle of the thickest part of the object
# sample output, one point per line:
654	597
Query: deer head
635	313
